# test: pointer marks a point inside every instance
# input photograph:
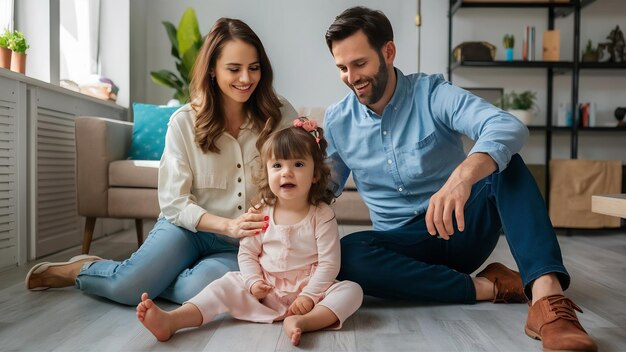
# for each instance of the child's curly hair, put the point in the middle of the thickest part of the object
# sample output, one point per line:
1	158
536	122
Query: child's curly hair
293	143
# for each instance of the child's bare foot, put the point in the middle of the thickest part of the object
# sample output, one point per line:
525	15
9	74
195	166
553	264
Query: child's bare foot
293	329
154	318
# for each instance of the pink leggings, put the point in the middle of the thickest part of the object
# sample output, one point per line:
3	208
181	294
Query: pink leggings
229	294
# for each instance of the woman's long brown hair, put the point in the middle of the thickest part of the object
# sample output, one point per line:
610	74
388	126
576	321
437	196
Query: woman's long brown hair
263	105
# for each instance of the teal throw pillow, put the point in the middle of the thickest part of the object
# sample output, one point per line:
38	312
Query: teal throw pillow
150	125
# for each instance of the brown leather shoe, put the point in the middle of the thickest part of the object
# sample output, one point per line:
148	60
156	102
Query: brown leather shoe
507	283
553	320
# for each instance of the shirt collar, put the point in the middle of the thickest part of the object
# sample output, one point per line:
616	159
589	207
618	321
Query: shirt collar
396	99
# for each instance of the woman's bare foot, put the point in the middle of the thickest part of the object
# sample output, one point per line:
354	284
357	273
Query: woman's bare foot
293	329
156	320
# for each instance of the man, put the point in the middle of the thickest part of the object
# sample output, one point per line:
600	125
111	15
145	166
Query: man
436	212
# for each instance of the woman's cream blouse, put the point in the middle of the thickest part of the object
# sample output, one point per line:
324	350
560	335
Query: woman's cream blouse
192	183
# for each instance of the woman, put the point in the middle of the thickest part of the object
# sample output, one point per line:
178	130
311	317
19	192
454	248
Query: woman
205	181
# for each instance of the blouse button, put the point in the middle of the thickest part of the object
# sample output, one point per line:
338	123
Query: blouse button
239	166
239	207
239	179
239	194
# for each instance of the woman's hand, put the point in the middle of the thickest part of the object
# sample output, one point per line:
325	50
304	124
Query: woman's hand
260	289
248	224
301	306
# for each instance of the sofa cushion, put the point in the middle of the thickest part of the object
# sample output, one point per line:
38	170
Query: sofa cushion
150	125
139	203
134	173
350	209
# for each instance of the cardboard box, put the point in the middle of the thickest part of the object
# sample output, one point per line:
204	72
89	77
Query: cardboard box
573	182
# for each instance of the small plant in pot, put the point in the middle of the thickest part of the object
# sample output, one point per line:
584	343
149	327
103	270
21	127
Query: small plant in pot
520	105
18	44
509	42
590	54
5	52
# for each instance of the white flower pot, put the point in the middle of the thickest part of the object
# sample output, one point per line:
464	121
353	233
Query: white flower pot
526	116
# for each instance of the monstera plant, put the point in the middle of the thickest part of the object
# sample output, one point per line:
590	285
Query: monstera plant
186	42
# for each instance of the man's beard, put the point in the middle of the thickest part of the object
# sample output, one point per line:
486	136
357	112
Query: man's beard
378	84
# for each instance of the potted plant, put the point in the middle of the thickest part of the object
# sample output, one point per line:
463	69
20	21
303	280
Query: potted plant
519	105
590	54
5	52
186	42
18	46
509	43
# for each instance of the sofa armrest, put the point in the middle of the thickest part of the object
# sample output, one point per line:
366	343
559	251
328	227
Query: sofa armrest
98	142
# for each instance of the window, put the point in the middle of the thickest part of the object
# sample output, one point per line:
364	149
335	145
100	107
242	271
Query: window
79	39
6	15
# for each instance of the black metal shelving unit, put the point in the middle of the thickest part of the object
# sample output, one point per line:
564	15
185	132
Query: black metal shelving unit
555	10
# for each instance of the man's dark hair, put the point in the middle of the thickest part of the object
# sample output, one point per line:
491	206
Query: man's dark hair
374	24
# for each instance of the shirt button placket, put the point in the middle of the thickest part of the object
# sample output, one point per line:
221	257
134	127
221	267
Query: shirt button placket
239	194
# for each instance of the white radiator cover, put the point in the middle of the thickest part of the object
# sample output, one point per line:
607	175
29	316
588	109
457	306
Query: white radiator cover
38	211
8	176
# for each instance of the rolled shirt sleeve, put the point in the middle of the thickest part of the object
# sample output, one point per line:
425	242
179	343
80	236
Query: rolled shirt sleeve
495	131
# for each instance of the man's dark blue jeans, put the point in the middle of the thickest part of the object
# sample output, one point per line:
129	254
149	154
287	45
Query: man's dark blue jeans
408	263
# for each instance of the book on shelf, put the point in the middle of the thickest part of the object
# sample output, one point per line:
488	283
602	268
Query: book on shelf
528	44
587	114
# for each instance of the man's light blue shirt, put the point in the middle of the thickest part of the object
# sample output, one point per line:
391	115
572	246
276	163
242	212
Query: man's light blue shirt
400	159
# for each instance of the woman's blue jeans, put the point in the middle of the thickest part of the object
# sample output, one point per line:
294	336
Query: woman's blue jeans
408	263
173	263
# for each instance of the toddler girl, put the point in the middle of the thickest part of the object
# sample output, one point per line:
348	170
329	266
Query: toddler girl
288	271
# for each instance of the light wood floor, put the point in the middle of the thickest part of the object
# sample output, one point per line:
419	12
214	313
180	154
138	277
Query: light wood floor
67	320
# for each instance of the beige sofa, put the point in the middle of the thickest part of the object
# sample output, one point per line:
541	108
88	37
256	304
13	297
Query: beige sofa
110	186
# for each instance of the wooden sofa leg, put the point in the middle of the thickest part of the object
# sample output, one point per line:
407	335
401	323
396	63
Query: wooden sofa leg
139	229
90	225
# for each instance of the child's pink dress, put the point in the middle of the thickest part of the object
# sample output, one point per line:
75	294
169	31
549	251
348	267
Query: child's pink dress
299	259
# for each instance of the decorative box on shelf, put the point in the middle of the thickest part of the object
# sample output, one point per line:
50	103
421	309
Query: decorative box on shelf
517	1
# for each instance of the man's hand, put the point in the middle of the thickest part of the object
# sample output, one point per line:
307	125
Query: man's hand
260	289
451	198
301	306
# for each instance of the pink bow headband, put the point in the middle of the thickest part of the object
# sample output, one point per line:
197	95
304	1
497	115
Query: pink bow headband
309	126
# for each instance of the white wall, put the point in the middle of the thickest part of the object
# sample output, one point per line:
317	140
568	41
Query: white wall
292	32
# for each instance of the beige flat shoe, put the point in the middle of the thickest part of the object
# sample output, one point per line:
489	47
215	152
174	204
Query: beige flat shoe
41	267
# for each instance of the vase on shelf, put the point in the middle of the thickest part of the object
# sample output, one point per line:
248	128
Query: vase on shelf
526	116
18	62
508	52
5	58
